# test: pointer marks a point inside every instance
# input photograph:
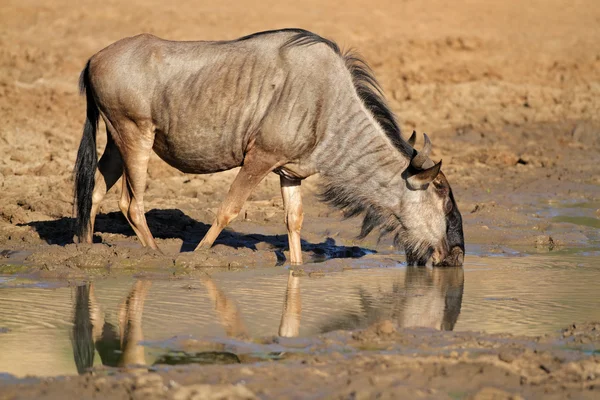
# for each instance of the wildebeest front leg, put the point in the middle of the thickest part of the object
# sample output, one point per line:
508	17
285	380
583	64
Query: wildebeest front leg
257	165
292	203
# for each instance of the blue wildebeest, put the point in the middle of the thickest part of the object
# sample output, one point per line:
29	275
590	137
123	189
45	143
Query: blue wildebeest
285	101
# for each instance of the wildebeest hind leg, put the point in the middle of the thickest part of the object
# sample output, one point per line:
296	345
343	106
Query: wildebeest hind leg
124	202
110	168
256	166
135	161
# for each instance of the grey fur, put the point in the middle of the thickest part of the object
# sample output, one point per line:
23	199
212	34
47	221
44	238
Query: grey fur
290	93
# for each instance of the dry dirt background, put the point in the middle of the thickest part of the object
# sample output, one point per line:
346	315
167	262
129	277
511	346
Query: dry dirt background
509	92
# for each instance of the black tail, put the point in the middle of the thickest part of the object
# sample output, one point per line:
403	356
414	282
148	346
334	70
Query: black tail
87	157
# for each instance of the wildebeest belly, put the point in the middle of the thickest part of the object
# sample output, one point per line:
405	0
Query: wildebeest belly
201	151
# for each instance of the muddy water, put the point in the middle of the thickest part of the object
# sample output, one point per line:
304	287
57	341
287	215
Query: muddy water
45	327
577	213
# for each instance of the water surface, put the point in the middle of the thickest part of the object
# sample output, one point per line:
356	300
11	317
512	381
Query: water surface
47	329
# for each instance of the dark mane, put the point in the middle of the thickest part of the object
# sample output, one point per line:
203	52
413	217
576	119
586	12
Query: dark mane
367	87
301	38
352	205
269	32
370	92
306	38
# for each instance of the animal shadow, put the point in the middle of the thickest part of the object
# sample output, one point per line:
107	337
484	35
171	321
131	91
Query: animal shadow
174	224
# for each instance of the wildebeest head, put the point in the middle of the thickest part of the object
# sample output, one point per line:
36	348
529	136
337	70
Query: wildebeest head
431	221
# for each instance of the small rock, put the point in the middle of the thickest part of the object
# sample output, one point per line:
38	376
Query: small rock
544	241
507	356
507	158
587	133
191	259
385	327
213	392
149	380
492	393
5	253
545	368
92	261
100	383
264	246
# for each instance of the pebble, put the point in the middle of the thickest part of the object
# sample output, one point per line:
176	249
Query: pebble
385	327
213	392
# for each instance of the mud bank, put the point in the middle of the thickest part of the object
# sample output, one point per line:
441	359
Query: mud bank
381	361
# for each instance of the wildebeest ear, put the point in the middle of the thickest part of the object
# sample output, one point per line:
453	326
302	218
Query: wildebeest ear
421	179
413	139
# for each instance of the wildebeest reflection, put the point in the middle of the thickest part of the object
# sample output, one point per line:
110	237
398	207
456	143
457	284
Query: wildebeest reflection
426	298
429	298
120	346
117	346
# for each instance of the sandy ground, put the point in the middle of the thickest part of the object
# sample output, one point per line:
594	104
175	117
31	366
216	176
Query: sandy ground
509	92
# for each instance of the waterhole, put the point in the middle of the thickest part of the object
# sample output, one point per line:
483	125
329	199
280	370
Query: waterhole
47	329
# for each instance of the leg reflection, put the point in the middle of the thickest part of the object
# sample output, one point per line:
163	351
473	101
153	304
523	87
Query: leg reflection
292	308
226	309
92	332
130	325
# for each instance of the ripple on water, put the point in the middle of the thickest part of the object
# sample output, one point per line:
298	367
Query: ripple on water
45	329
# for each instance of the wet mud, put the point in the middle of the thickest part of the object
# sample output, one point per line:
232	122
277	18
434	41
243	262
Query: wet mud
381	361
508	93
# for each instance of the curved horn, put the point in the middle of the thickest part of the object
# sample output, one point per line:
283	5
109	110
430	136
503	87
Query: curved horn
422	156
413	139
